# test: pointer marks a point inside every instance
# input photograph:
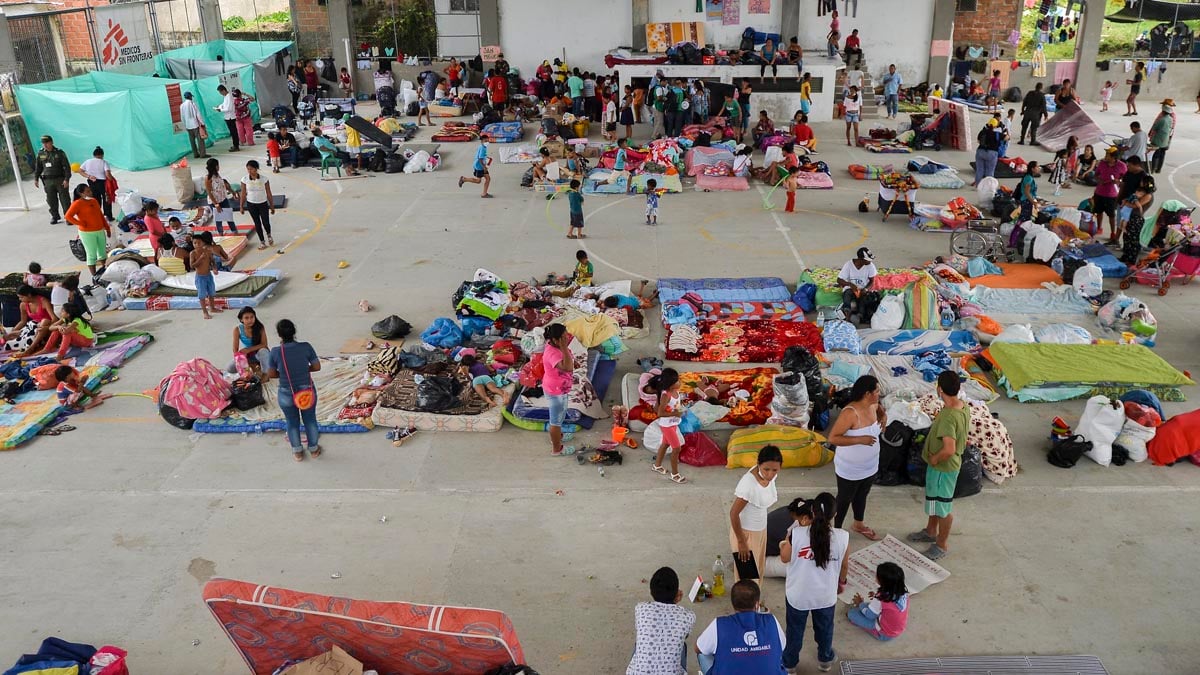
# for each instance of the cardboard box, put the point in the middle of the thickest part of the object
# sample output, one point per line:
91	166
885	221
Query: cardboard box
333	662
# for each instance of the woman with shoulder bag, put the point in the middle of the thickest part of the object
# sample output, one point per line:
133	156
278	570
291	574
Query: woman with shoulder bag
291	365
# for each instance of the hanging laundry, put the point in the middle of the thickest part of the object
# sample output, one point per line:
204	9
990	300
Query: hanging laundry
1039	62
1014	37
975	52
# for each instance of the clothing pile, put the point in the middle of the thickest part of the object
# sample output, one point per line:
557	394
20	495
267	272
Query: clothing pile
684	338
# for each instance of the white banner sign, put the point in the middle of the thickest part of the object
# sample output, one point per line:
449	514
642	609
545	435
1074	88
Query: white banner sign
126	43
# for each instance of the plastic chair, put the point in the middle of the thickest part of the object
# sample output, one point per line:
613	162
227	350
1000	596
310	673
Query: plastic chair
328	160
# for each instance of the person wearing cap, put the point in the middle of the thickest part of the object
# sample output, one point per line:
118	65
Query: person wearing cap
988	151
229	112
1160	135
193	121
855	280
1033	112
241	111
52	170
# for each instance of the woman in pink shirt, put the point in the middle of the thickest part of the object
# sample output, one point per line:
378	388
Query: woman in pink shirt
557	378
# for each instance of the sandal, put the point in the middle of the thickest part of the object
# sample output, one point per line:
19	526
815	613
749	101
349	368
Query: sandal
315	451
658	469
678	478
869	533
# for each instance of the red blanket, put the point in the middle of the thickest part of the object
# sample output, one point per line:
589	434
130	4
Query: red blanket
752	341
758	382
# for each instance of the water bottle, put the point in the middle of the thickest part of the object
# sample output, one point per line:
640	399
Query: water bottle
820	319
718	570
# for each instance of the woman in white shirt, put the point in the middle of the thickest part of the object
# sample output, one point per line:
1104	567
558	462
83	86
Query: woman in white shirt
257	197
754	496
853	105
97	174
856	461
816	555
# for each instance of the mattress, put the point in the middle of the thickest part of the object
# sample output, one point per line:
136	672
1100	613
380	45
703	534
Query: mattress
595	184
235	424
755	410
1024	305
160	302
1110	266
187	282
436	110
504	132
748	341
914	342
249	286
35	410
697	158
269	625
974	665
784	310
665	182
898	377
976	106
829	295
488	420
1018	275
890	147
814	180
234	245
518	155
722	183
1030	372
745	289
941	180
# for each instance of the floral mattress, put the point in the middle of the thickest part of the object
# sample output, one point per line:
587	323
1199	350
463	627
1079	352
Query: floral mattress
747	341
744	412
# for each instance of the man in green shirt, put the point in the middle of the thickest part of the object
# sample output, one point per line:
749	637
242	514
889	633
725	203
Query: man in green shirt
53	170
733	111
1160	135
575	88
944	445
659	94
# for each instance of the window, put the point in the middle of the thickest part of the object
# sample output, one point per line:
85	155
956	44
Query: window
959	5
464	5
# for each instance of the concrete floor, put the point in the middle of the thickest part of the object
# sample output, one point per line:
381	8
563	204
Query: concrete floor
109	531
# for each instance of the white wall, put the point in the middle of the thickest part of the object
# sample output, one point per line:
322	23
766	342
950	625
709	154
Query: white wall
715	34
892	31
532	31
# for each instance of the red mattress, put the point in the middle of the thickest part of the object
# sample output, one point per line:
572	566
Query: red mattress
749	341
271	625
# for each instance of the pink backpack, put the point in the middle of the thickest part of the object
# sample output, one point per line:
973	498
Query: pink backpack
196	389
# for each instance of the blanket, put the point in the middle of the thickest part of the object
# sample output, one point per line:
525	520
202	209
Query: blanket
518	154
1031	372
504	132
916	342
747	341
785	310
593	330
1025	305
1017	275
829	295
986	433
35	410
746	289
940	180
750	408
264	280
898	376
665	182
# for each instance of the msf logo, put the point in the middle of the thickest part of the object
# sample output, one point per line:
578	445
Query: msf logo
113	41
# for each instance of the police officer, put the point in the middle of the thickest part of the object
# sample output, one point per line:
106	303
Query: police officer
53	169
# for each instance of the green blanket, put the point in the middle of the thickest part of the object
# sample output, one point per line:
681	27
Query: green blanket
1036	365
247	288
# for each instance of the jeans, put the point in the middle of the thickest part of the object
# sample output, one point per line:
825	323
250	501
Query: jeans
262	356
892	103
293	156
822	631
865	620
1031	124
558	408
985	164
670	120
293	415
261	215
577	106
831	49
233	133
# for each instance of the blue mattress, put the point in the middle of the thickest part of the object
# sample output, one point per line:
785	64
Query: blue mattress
539	414
166	302
1110	266
504	132
748	289
593	185
977	107
237	425
916	342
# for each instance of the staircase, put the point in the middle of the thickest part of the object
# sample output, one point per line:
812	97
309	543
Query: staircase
871	106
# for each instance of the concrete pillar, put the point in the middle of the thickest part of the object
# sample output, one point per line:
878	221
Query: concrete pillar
489	23
210	20
641	17
1086	78
943	29
341	28
789	20
8	55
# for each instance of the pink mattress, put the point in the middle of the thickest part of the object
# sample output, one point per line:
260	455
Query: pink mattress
811	180
271	625
726	183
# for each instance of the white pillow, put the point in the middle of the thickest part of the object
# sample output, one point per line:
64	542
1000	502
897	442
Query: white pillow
119	270
158	273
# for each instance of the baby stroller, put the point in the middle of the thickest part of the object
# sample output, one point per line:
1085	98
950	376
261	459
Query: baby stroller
1158	268
284	117
386	96
307	107
929	135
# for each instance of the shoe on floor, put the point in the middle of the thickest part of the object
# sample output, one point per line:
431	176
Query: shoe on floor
921	537
935	552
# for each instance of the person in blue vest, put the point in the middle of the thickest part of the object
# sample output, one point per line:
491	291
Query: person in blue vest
746	642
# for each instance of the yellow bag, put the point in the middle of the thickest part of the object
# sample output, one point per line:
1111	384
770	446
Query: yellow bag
800	447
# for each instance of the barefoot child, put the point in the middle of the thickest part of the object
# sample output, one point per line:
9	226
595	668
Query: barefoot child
670	413
202	263
344	83
273	151
71	330
885	615
575	199
651	202
73	393
790	185
584	271
482	381
1106	95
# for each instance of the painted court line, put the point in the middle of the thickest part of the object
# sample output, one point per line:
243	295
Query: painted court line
786	232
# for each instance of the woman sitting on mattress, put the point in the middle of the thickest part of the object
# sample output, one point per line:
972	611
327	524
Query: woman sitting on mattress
31	331
250	341
539	167
855	280
777	171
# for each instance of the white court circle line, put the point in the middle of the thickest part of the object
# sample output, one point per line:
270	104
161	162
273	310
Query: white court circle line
1171	180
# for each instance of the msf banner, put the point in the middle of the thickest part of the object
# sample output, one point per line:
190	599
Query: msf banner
126	43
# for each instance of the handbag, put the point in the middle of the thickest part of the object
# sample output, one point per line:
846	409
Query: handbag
304	398
77	249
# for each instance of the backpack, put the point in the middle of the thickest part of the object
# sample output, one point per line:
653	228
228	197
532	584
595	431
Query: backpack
1067	452
894	443
747	44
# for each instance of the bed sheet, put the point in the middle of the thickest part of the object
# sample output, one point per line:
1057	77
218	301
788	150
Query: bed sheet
504	132
595	183
748	341
784	310
759	382
915	342
941	180
898	378
829	295
1017	275
1021	305
35	410
335	382
518	154
814	180
665	182
1109	369
745	289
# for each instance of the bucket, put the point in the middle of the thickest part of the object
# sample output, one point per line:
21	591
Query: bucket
618	434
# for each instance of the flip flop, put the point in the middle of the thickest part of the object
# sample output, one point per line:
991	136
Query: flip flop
869	534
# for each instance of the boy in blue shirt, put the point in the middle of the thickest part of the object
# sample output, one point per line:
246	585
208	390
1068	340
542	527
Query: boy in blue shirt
480	168
575	199
651	202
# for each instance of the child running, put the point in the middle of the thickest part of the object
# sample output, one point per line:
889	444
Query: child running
670	413
480	168
73	393
575	199
884	616
482	381
651	202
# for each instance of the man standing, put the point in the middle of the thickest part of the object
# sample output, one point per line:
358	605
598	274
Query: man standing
747	642
1033	111
53	170
891	91
575	88
189	112
944	446
1160	135
228	110
558	376
659	92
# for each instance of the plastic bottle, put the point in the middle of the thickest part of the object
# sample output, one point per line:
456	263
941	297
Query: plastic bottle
947	316
718	571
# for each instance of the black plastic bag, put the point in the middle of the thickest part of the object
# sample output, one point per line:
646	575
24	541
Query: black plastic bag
77	249
391	328
915	467
247	393
970	475
1066	453
894	444
435	393
172	416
